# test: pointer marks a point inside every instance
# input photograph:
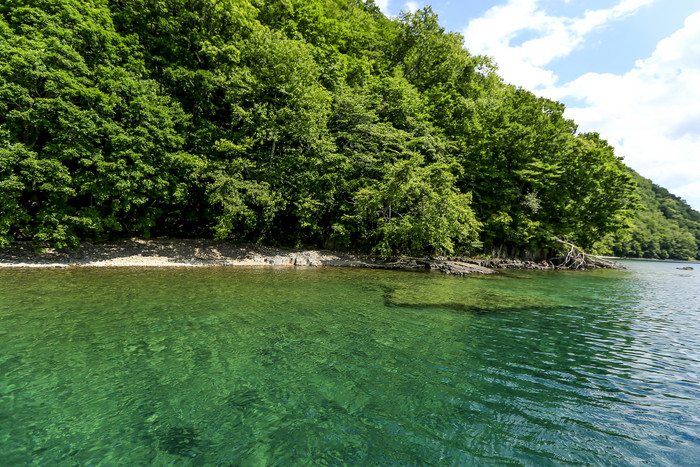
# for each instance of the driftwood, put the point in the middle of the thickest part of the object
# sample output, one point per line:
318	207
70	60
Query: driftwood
574	257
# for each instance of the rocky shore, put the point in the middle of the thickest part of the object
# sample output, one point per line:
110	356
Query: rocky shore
200	253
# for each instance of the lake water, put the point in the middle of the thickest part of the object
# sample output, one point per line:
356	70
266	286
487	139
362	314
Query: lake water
220	366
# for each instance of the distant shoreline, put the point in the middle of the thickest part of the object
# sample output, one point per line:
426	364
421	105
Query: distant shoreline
668	260
168	252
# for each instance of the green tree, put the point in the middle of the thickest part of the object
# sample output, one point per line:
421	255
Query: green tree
415	208
88	144
293	122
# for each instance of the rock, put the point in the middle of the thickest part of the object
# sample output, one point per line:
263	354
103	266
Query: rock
281	260
455	268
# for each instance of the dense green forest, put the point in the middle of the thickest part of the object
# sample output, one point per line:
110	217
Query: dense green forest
664	227
289	122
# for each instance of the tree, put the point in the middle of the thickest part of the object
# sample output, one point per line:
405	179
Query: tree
88	145
290	122
415	208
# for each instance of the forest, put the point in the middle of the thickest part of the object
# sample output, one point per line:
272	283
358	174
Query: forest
297	123
665	227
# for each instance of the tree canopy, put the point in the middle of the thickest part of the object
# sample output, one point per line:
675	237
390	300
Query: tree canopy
288	122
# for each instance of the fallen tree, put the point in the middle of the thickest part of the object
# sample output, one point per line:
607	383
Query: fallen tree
573	257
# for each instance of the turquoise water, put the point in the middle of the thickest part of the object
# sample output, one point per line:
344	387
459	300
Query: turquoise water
257	366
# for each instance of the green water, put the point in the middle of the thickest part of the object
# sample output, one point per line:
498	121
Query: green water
222	366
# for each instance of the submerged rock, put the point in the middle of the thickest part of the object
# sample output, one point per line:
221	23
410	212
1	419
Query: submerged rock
455	267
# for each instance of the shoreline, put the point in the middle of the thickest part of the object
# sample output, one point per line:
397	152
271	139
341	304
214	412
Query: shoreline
167	252
667	260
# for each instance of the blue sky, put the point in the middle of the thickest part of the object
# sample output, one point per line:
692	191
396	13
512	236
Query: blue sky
628	69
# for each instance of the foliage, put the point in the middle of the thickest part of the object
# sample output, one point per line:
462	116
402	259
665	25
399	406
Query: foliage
416	208
289	122
88	143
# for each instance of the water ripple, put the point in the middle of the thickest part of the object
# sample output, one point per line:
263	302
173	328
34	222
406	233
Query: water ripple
227	367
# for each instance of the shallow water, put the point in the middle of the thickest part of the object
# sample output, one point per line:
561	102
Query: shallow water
257	366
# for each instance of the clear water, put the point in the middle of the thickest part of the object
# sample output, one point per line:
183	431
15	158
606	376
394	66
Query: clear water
222	366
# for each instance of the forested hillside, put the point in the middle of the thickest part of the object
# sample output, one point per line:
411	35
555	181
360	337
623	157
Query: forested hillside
290	122
665	227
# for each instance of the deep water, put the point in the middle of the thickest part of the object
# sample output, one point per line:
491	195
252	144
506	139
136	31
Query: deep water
263	366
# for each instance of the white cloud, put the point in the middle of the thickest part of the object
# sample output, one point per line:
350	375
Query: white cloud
556	37
651	114
411	6
383	5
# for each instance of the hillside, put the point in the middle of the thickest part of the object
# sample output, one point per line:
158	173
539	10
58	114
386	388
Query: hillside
665	227
303	122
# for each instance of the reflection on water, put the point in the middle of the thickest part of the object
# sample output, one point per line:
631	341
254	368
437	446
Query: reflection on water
224	366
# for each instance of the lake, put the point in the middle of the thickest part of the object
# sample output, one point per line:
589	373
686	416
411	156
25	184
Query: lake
265	366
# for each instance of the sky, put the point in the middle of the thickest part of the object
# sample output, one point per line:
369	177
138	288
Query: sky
627	69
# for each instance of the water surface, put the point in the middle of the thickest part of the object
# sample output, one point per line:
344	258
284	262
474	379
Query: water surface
264	366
